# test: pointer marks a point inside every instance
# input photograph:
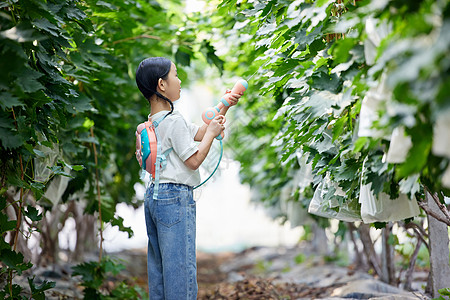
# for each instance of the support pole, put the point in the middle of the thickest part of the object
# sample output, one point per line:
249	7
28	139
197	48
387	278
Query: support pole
439	251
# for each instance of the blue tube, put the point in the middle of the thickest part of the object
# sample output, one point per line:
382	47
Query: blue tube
217	166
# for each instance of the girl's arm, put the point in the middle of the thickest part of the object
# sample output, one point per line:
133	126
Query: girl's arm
200	133
202	130
214	129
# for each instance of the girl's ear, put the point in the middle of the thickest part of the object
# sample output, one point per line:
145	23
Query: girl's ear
161	84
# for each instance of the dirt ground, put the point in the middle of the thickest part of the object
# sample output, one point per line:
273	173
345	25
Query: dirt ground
261	273
214	283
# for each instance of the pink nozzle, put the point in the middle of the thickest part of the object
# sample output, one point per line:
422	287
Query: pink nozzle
240	87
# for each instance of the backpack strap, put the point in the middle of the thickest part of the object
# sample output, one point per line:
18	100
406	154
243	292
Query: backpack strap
153	145
161	162
156	123
161	159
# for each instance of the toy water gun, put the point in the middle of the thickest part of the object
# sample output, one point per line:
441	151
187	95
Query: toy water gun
211	112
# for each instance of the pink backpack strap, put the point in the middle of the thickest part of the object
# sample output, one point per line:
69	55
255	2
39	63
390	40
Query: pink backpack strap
138	146
153	146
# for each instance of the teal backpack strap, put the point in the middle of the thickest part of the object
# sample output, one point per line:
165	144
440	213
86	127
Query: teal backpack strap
156	123
161	163
161	159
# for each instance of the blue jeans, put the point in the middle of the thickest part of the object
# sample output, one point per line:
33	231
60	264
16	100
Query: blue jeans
171	259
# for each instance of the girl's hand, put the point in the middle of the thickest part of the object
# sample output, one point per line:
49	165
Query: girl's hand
217	125
233	98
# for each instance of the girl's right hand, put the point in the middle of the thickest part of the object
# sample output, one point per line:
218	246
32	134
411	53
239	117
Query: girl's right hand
217	125
233	98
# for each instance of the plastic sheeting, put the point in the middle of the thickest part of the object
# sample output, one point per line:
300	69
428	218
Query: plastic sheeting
57	188
294	211
441	134
371	104
399	146
384	209
304	175
42	173
381	208
331	208
375	34
374	98
446	178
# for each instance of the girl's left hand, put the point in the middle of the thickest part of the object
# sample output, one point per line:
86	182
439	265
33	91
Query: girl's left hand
233	98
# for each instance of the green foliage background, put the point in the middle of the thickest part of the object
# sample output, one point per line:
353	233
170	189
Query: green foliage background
309	76
67	84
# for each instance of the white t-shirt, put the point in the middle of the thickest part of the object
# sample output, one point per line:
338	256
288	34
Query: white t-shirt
174	132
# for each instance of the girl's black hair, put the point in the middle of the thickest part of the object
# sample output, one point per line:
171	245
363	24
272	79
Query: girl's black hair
149	71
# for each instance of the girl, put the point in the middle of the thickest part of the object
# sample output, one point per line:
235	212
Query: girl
170	220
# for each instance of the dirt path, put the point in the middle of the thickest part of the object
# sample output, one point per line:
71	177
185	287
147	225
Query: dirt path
235	276
258	273
244	282
275	273
295	273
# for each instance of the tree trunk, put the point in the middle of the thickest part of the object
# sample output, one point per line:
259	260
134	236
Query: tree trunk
86	233
320	241
412	264
12	212
439	251
369	250
49	229
388	268
359	260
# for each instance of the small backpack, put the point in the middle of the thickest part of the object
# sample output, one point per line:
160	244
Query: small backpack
148	151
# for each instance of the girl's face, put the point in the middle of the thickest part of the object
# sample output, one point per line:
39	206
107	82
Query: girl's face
172	85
